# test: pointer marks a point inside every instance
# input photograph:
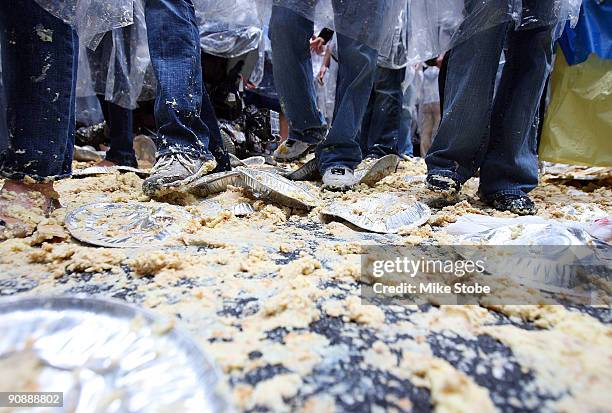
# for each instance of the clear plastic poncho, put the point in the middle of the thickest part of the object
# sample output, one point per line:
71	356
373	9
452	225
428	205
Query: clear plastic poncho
91	18
435	26
228	28
117	68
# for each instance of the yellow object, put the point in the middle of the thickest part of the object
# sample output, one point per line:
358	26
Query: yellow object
578	124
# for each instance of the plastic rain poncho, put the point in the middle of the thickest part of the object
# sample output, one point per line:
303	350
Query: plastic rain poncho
91	18
117	68
435	26
228	28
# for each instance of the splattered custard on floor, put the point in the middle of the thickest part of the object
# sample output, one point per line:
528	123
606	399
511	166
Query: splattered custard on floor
274	298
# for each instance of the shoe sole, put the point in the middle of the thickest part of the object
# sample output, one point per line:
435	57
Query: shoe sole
382	168
174	186
281	158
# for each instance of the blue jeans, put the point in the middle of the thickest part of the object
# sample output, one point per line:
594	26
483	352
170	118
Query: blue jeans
380	130
39	74
290	34
405	132
120	123
479	130
174	45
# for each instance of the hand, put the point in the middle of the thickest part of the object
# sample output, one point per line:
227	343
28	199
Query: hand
317	45
321	75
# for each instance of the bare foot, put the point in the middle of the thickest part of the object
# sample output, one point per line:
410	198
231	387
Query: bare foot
23	206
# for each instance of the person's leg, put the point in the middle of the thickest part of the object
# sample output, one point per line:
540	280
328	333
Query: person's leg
121	130
463	135
39	83
427	126
289	34
383	137
511	163
357	67
183	138
39	74
217	148
174	45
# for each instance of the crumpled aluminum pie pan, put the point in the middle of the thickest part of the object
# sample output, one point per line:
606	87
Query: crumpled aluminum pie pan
127	225
212	207
107	170
385	213
106	356
547	256
214	183
273	187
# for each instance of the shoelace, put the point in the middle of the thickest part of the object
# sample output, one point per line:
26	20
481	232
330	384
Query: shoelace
168	159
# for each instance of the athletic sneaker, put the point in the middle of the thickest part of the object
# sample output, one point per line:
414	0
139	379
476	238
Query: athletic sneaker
290	150
339	178
372	169
443	185
175	170
517	204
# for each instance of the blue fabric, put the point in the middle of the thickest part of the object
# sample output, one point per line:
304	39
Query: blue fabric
121	133
174	45
592	34
290	33
380	130
185	118
496	134
39	85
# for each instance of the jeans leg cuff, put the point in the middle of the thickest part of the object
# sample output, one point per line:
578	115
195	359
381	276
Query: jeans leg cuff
186	150
21	176
123	160
492	197
447	174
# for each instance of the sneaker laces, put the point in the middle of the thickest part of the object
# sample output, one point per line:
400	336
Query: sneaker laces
166	161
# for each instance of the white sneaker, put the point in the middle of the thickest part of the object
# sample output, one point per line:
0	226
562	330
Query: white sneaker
339	178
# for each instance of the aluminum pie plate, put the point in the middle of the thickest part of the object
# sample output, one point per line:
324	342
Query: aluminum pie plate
548	252
106	170
252	161
127	225
385	213
212	207
373	172
214	183
307	172
273	187
105	356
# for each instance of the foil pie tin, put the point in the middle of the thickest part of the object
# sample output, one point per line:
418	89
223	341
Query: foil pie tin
127	225
106	356
384	213
212	207
549	256
370	174
106	170
214	183
273	187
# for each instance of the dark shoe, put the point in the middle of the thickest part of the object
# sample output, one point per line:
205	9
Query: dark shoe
517	204
174	171
443	185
